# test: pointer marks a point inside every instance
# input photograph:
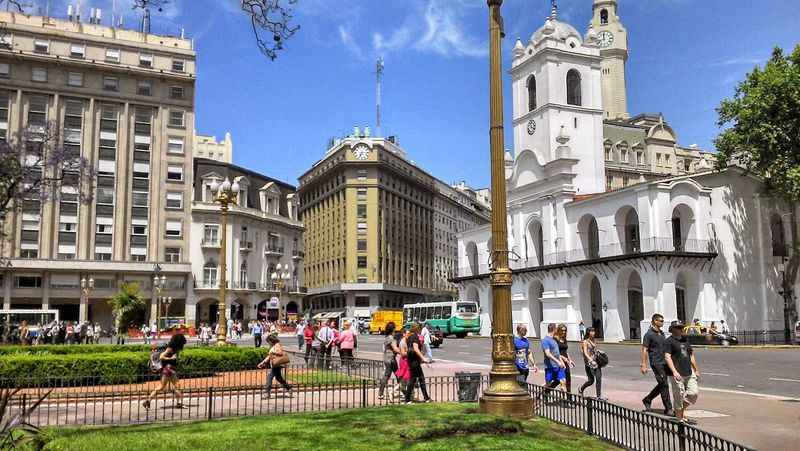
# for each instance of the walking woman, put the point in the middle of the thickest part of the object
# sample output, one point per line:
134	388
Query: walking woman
593	370
276	359
415	360
347	343
169	371
390	351
563	347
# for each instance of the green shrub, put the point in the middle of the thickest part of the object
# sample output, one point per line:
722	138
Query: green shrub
116	367
70	349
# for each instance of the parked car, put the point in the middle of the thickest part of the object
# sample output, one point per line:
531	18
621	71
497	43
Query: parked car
437	338
712	339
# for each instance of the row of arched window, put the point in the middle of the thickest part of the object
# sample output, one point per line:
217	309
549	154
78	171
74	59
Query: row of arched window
573	81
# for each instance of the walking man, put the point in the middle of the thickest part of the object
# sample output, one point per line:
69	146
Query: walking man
257	332
679	356
653	351
325	339
554	374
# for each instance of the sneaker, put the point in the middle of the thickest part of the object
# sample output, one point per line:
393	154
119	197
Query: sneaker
648	405
408	403
602	399
690	421
146	404
180	406
380	396
669	412
429	400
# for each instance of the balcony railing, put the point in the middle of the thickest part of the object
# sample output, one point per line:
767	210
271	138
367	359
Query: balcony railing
629	249
210	242
271	249
239	285
245	245
206	283
296	254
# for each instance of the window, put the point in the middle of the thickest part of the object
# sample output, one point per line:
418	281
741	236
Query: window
361	279
362	245
141	170
139	229
603	17
106	167
608	153
175	145
175	200
112	55
178	65
175	173
29	253
5	70
362	261
67	227
37	111
105	195
173	229
41	46
573	87
111	83
531	93
146	60
687	165
625	180
362	211
210	273
176	118
144	88
39	74
176	92
77	50
609	183
6	41
779	248
362	227
172	254
658	159
640	157
75	79
103	228
28	282
211	233
361	193
667	163
624	153
140	198
362	175
101	256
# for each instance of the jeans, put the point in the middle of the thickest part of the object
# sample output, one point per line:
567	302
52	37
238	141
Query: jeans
388	369
309	350
522	378
300	342
661	373
569	378
276	373
347	356
417	376
257	340
595	377
324	357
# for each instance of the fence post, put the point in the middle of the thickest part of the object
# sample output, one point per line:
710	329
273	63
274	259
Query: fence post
363	392
24	402
682	436
210	403
589	416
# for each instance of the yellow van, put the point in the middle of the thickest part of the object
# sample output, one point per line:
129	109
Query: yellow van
380	318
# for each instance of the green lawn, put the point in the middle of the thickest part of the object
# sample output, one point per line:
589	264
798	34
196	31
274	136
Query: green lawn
419	427
316	377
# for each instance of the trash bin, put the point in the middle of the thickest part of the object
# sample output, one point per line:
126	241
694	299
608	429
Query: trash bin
468	385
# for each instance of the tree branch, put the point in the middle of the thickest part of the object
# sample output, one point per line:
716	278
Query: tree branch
270	20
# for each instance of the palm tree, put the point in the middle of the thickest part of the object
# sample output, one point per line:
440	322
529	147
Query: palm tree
125	305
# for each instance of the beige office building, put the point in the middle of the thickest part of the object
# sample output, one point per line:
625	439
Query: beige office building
380	230
127	100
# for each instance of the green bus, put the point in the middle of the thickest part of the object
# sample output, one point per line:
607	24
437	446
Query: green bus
452	318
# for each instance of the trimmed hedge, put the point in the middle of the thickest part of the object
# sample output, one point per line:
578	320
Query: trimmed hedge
80	369
70	349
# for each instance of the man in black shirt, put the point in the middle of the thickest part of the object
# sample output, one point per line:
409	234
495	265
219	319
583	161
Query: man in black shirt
679	356
653	351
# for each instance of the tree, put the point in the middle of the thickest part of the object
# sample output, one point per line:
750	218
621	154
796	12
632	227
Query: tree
762	134
37	165
126	306
270	20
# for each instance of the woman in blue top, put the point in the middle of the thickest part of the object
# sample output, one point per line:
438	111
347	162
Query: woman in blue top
524	358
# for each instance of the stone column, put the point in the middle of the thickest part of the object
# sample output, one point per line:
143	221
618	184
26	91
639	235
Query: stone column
8	279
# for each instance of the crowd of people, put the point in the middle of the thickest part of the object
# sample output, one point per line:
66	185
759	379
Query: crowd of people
54	332
670	358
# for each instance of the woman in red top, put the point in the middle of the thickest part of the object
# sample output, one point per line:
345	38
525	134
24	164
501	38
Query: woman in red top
308	337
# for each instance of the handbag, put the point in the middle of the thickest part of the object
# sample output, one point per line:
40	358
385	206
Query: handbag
279	360
601	358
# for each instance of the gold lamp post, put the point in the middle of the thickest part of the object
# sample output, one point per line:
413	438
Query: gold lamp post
158	285
279	279
224	193
504	396
87	285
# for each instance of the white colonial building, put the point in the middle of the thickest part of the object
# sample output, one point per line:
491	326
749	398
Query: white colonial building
708	246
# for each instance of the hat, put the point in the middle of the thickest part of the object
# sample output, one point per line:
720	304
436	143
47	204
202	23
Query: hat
676	324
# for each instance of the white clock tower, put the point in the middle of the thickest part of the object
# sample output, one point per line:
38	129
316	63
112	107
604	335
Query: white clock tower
613	42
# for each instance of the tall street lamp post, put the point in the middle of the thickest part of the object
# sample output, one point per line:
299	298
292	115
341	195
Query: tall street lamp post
279	279
158	285
87	285
504	396
226	194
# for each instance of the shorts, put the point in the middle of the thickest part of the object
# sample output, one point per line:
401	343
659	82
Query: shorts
169	371
685	392
554	374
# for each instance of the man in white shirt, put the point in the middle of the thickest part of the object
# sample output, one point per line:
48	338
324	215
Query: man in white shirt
425	333
325	338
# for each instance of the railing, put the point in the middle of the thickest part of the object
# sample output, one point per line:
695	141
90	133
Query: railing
626	249
271	249
210	242
206	283
298	254
627	428
245	245
761	337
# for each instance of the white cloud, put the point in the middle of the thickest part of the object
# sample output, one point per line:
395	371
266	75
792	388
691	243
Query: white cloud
398	40
444	33
744	61
349	43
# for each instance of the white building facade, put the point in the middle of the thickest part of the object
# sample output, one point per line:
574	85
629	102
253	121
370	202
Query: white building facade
708	246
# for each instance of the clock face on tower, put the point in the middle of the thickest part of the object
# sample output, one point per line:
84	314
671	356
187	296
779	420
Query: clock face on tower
605	38
361	152
531	127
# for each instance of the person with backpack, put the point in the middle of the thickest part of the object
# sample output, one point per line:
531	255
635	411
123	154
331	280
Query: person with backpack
594	371
276	359
166	363
415	360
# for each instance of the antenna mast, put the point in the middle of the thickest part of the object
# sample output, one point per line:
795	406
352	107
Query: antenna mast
379	77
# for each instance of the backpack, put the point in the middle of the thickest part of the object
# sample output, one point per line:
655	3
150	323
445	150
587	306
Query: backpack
154	363
601	358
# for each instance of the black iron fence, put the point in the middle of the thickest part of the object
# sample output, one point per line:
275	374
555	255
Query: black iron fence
761	337
313	390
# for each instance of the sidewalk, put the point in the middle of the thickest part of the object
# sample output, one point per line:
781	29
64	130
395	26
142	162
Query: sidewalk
764	422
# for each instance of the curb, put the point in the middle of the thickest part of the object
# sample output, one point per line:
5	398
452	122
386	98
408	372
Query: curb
637	344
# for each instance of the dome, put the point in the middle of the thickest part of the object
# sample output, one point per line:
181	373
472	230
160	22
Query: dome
560	30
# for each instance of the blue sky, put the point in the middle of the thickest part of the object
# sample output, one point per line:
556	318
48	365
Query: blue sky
685	56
